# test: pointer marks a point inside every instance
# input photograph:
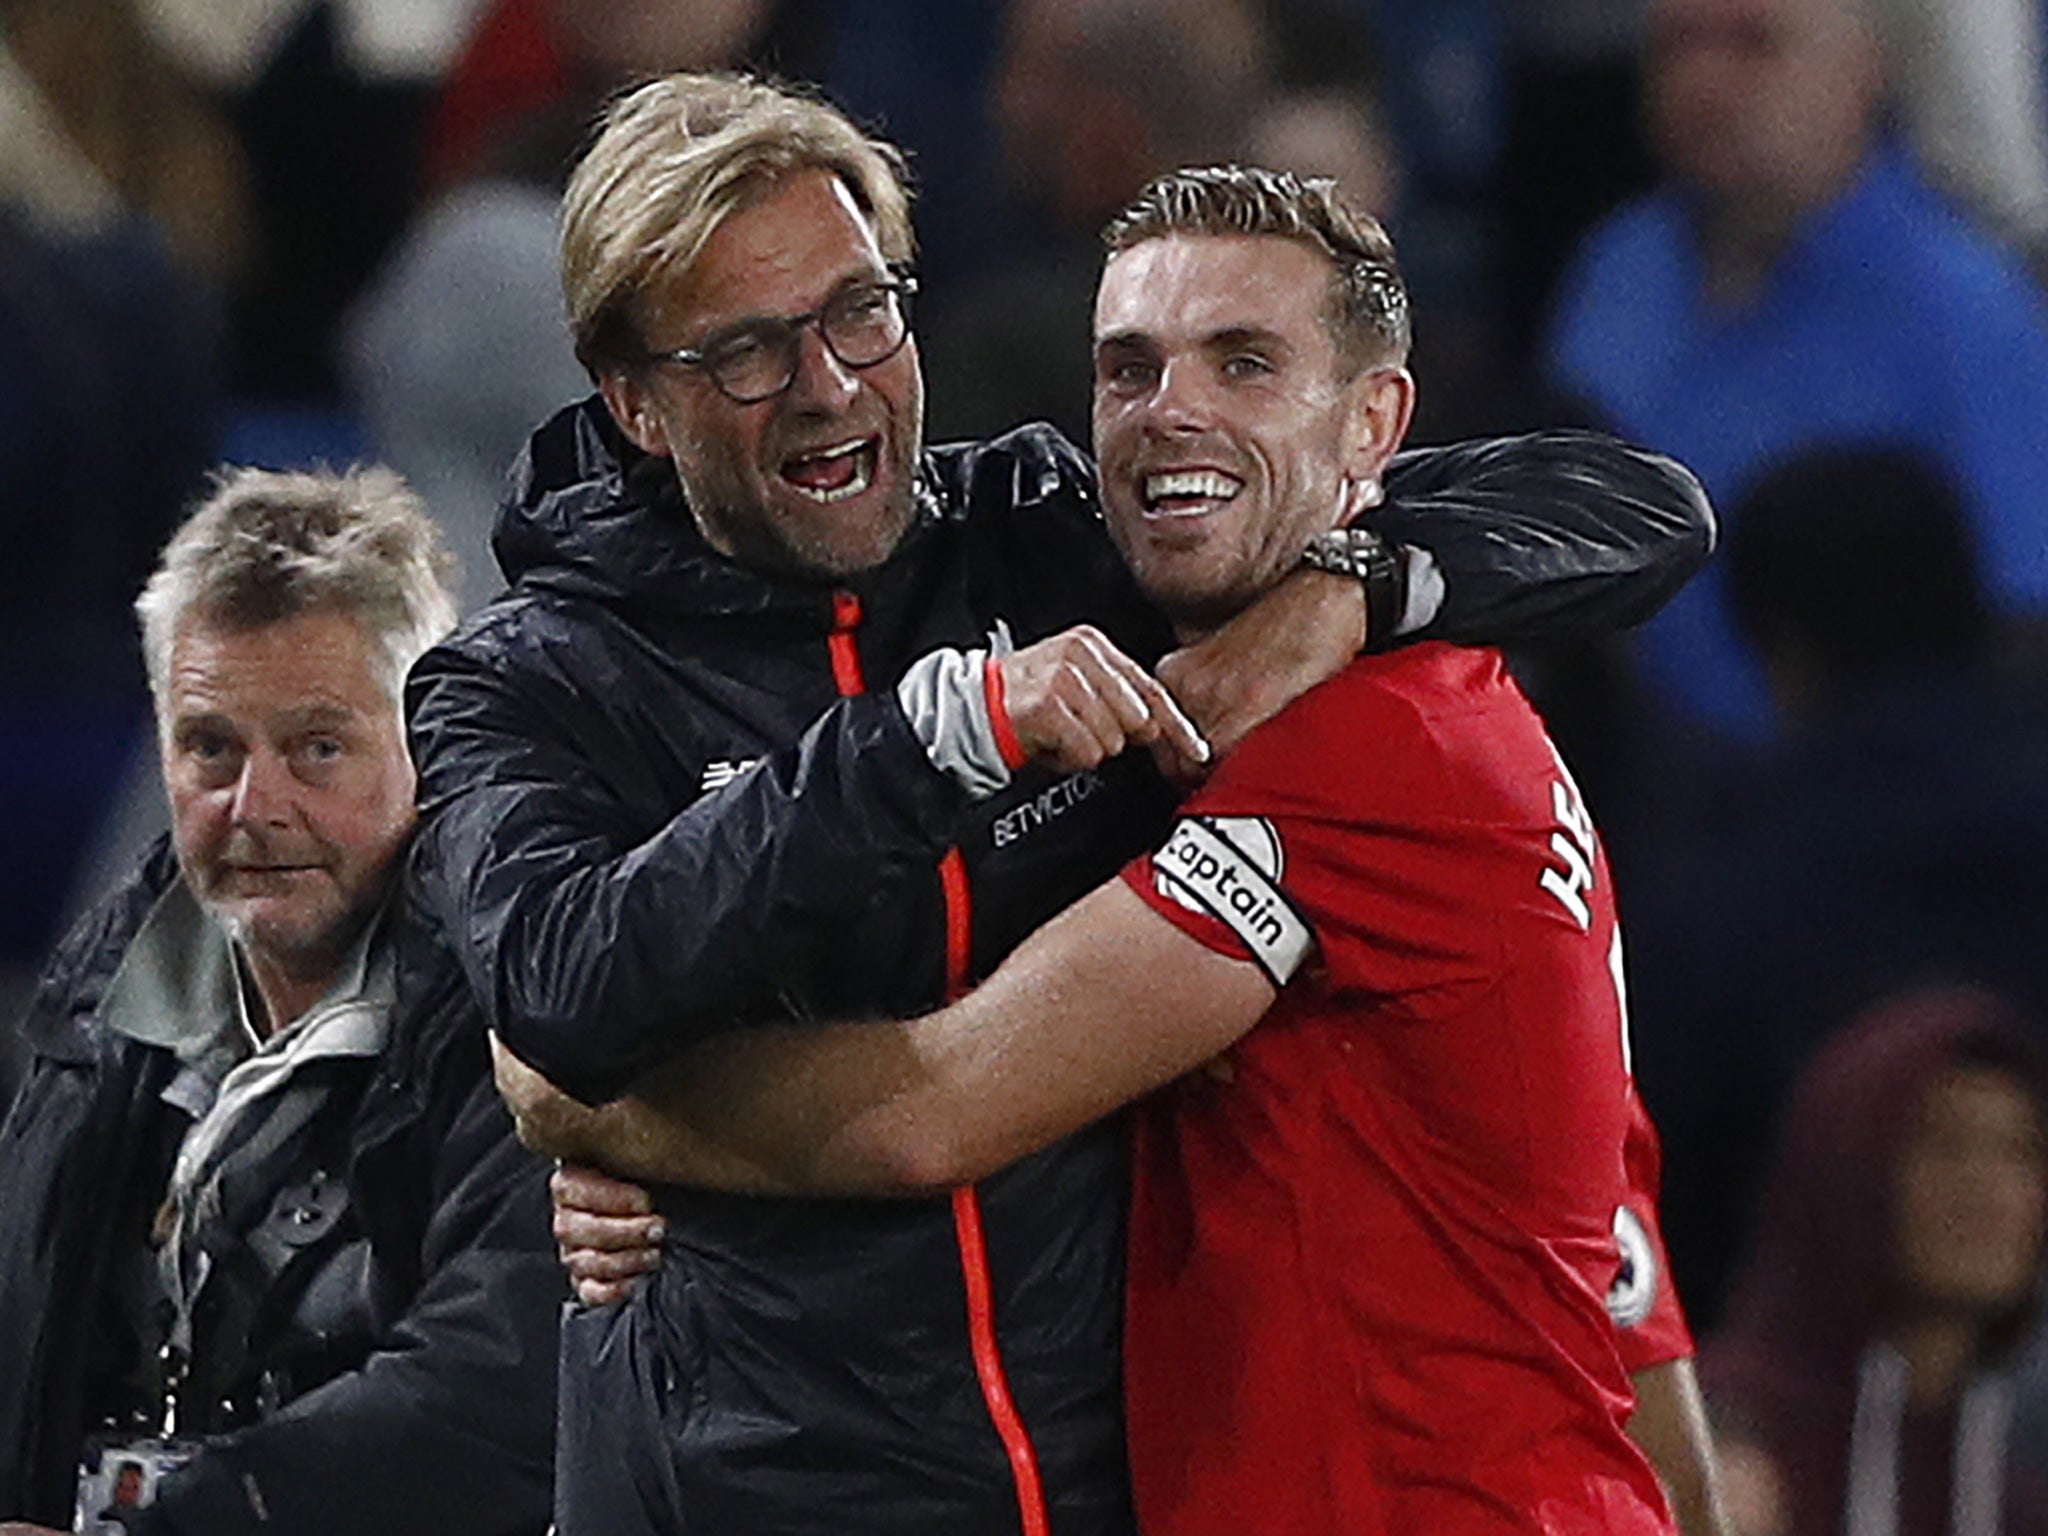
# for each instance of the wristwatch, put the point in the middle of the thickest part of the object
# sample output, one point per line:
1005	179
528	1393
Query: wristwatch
1369	559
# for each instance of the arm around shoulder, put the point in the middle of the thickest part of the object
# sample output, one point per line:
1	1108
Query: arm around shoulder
1544	535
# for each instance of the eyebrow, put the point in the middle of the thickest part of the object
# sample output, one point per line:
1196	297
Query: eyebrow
306	717
1223	340
1244	336
846	284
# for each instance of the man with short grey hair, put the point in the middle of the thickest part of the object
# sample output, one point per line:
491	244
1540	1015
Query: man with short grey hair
269	1255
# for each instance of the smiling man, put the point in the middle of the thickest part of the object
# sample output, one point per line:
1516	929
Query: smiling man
785	715
266	1233
1373	1019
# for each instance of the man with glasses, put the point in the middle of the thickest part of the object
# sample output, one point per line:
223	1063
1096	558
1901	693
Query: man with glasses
826	734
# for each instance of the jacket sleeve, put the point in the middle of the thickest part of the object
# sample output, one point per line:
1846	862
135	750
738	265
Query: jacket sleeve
448	1426
600	948
1546	535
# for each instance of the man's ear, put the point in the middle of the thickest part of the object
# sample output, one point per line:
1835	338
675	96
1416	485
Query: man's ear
1381	405
628	398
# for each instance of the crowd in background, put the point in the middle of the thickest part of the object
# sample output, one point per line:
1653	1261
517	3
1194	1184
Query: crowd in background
1796	243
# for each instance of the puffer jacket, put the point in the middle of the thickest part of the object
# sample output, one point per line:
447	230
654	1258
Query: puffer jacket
663	795
431	1402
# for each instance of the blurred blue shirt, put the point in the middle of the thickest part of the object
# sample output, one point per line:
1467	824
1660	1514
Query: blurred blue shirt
1890	318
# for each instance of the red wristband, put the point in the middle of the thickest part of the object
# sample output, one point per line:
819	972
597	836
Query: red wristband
1007	744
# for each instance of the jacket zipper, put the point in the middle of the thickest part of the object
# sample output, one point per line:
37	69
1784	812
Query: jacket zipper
968	1236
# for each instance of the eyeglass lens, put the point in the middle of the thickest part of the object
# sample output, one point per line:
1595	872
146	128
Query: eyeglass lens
860	327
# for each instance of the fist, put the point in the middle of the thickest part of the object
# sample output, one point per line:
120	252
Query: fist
1075	701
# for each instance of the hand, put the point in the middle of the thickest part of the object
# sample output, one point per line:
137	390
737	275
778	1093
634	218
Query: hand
1075	701
22	1528
605	1231
1303	632
531	1097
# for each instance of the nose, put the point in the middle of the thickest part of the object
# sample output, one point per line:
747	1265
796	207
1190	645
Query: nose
263	791
822	382
1183	401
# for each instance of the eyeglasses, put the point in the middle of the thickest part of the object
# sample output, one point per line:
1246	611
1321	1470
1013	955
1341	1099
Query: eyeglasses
861	326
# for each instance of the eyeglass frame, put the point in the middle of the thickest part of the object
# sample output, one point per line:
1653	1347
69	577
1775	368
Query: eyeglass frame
900	284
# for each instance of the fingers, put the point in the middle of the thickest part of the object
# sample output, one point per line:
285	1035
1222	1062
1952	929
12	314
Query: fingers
1075	700
580	1187
605	1231
1177	747
597	1294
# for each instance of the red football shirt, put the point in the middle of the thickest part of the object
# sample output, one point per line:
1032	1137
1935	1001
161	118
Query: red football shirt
1371	1248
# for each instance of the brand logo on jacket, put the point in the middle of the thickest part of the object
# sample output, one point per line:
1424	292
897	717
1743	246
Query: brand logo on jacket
1043	808
721	771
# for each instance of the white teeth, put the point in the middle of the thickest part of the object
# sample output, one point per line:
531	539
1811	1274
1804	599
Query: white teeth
836	449
863	476
1205	483
863	472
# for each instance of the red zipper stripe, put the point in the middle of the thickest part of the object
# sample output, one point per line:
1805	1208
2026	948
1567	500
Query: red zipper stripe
845	657
959	923
988	1364
967	1229
973	1244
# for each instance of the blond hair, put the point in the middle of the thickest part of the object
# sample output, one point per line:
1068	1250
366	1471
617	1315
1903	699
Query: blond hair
265	546
672	160
1367	316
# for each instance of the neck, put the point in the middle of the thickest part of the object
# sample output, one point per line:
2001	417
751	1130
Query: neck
288	985
1938	1352
1739	245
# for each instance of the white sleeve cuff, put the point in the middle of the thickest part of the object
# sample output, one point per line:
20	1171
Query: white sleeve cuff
945	698
1425	591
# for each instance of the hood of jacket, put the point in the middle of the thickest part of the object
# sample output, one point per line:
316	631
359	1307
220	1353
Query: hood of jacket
1821	1281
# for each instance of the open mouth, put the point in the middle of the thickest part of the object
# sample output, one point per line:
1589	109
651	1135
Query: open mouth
833	474
1187	492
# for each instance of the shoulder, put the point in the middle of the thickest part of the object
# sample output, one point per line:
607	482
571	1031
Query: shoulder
82	964
529	660
1403	730
1627	278
1644	236
1029	472
1954	276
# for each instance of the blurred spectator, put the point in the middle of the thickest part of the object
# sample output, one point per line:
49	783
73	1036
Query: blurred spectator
326	98
1793	282
458	346
1329	133
1899	831
532	73
1969	84
107	412
457	349
1573	148
1860	1383
1092	98
128	110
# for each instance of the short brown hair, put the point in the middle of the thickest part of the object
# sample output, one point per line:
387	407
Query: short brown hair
672	160
1367	315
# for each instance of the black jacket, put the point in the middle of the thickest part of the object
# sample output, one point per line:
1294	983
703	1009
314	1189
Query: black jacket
619	883
430	1410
